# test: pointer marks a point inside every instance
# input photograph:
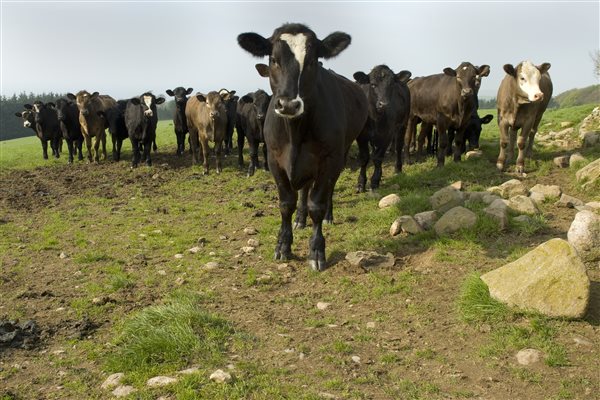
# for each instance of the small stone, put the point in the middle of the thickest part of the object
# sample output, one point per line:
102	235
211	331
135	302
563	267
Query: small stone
211	265
547	190
212	254
575	158
157	231
220	376
178	256
322	305
325	395
158	381
62	255
112	381
426	219
370	259
100	300
529	356
155	176
180	281
223	237
250	231
446	198
247	249
513	187
581	341
142	235
123	391
406	224
389	200
253	242
485	328
356	359
458	185
371	325
455	219
561	161
537	197
569	201
58	352
161	272
195	249
523	205
282	266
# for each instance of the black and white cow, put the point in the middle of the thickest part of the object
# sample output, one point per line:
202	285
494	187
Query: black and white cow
251	112
312	119
141	119
179	121
43	119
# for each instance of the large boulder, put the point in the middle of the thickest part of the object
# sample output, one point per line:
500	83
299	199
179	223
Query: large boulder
550	279
584	235
426	219
513	187
523	205
590	174
447	198
406	224
454	220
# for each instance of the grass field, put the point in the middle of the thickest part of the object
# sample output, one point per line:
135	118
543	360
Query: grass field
152	280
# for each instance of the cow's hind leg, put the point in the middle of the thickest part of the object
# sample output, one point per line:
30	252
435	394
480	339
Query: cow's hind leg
317	207
363	157
287	206
266	166
378	155
45	149
253	144
302	212
70	147
205	150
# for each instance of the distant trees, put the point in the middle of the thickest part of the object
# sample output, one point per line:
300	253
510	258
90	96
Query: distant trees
11	127
596	60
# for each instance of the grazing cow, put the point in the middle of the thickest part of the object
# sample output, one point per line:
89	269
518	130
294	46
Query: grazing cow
207	120
251	111
443	100
92	124
231	106
389	106
312	120
115	119
141	119
179	120
31	120
68	118
523	96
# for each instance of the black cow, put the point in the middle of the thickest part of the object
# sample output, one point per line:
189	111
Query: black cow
141	119
179	120
68	118
389	106
231	106
444	100
115	120
43	119
312	120
251	112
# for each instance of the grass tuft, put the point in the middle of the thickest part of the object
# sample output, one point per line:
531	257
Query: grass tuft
476	304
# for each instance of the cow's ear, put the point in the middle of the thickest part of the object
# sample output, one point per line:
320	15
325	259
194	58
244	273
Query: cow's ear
510	70
255	44
449	71
484	70
200	97
544	67
169	92
333	45
403	76
160	100
95	94
263	70
28	106
246	99
225	95
71	96
487	119
361	77
18	114
135	100
189	90
232	93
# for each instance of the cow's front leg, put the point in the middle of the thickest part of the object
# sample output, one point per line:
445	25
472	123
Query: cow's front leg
204	145
253	144
287	206
45	149
378	154
363	159
219	154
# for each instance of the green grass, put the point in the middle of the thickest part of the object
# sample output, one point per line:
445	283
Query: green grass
476	304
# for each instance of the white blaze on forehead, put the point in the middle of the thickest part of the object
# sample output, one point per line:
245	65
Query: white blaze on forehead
297	44
36	107
529	79
148	102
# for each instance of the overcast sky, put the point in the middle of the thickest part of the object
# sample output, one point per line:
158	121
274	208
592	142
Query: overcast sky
126	48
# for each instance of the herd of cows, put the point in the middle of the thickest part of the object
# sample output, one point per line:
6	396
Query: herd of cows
309	122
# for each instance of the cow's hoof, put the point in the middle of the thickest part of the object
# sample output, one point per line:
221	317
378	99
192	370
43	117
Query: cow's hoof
520	169
360	189
282	256
500	166
317	265
328	221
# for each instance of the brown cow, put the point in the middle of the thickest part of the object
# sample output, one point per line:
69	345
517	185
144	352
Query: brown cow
92	124
523	96
207	120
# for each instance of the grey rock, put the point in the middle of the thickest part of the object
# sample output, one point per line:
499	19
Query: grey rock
551	279
62	255
253	242
569	201
590	139
584	235
561	161
113	380
406	224
590	174
250	231
513	187
523	205
389	200
537	197
529	356
370	259
247	249
426	219
575	158
123	391
547	190
447	198
489	198
159	381
499	212
455	219
474	196
211	265
321	305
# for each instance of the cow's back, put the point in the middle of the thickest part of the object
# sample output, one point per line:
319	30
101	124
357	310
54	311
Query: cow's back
433	94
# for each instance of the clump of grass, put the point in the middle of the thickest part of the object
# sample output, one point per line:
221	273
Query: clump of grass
174	333
536	224
476	304
413	203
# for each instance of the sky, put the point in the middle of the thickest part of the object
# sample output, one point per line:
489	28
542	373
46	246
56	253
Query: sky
125	48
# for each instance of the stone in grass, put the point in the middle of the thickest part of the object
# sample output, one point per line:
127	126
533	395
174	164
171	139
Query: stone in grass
123	391
523	205
589	175
370	259
406	224
498	211
529	356
389	200
547	190
561	161
220	376
551	279
584	235
159	381
511	188
113	380
446	198
576	157
537	197
426	219
250	231
569	201
522	219
454	220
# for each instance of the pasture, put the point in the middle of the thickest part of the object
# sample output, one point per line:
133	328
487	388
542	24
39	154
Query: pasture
98	255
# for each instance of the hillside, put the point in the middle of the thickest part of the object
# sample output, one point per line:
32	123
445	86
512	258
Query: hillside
577	97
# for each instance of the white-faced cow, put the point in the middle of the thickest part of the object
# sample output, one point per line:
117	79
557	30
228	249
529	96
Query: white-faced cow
68	118
92	124
179	121
446	101
207	121
523	96
141	119
115	119
389	107
251	112
312	119
42	119
231	106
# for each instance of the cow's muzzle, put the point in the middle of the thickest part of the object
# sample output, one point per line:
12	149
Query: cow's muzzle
85	113
380	106
289	108
468	92
214	114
